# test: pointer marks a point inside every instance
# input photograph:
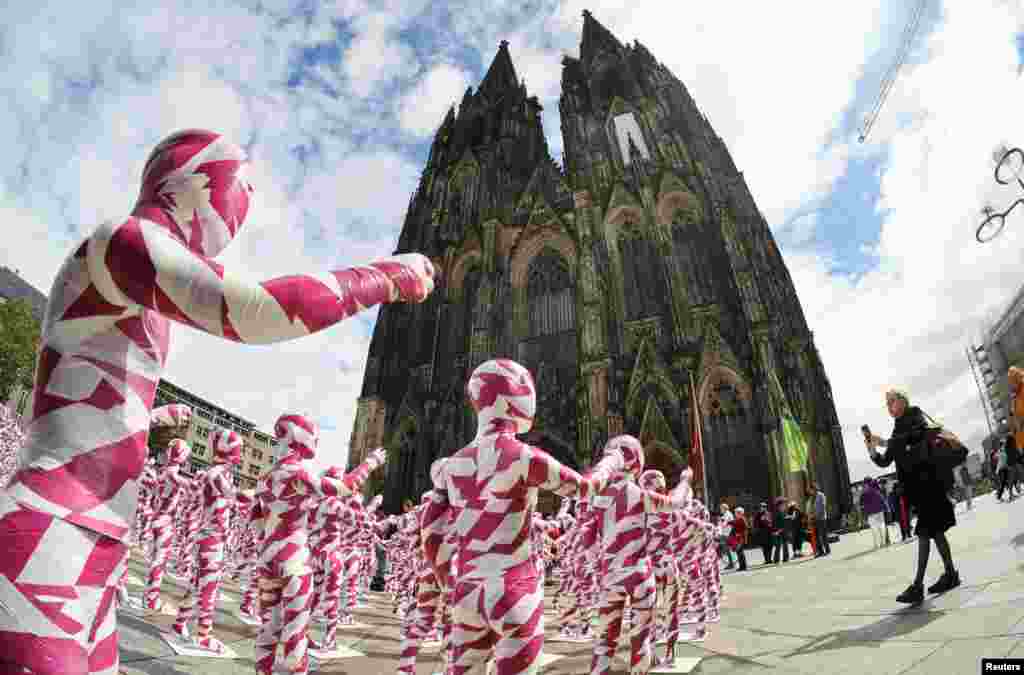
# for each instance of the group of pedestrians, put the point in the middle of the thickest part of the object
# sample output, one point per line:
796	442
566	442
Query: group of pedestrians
884	503
779	528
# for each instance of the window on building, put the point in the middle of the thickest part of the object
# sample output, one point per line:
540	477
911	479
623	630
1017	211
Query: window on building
627	130
549	293
199	448
641	267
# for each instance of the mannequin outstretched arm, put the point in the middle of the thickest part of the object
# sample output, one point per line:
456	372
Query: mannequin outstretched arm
325	486
548	473
137	263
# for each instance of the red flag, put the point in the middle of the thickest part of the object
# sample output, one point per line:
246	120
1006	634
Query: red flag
696	442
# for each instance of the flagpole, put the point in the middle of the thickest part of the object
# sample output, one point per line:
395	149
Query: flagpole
699	434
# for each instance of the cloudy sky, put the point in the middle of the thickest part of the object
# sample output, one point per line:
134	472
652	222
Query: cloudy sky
337	102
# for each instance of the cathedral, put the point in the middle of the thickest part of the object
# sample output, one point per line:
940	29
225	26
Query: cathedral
635	277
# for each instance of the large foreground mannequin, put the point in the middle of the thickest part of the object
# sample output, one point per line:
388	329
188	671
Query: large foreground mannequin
105	337
491	486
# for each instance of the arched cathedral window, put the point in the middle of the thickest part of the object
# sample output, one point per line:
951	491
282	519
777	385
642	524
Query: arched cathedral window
640	266
549	295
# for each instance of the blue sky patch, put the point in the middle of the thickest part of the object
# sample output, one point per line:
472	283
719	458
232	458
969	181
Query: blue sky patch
848	219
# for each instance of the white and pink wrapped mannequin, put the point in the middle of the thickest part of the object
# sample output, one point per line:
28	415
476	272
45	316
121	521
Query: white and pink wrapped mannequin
171	489
104	344
491	486
288	493
580	564
249	513
623	510
217	492
420	623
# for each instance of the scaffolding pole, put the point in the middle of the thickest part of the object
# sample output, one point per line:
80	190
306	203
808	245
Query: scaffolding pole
982	393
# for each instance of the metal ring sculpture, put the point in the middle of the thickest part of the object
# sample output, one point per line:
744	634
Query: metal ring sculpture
1004	173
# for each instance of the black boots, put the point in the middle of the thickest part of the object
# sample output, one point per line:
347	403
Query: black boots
946	582
914	595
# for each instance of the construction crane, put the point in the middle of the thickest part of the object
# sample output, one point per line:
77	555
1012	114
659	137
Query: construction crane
890	77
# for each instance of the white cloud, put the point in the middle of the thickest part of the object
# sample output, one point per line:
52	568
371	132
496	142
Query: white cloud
422	109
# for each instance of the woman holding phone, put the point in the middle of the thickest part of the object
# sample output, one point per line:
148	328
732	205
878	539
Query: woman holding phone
923	487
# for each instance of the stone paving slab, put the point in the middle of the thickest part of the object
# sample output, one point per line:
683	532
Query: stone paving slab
836	614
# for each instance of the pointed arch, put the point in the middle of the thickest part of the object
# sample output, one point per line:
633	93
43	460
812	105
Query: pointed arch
462	264
649	372
674	199
525	250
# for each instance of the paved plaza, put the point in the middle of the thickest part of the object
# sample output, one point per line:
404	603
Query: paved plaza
832	615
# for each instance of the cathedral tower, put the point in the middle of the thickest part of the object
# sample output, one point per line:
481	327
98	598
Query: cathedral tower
642	266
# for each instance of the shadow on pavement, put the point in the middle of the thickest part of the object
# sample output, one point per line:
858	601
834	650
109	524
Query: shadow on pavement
151	665
138	624
894	625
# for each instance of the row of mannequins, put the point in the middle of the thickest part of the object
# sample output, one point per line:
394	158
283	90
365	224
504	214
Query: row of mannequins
299	544
628	552
624	554
68	512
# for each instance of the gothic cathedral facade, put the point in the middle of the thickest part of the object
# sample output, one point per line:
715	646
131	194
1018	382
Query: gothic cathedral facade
640	266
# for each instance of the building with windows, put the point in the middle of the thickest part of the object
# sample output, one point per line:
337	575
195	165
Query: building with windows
1000	346
258	450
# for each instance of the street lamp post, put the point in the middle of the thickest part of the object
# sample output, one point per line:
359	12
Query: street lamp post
1009	167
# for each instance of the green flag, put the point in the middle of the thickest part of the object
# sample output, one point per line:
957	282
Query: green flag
796	446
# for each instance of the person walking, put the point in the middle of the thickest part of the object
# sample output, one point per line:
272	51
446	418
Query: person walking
966	486
738	539
763	532
818	505
724	530
924	489
780	532
1003	468
796	523
872	502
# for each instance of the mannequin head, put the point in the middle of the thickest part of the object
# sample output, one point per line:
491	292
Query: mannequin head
653	480
632	453
194	186
298	437
177	452
437	473
227	447
504	397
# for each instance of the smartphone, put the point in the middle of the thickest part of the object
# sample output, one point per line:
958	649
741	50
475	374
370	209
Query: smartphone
865	430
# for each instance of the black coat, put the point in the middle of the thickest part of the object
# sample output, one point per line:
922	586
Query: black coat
923	482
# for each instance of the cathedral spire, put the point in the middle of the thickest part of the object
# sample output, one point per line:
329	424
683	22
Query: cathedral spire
501	76
596	39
